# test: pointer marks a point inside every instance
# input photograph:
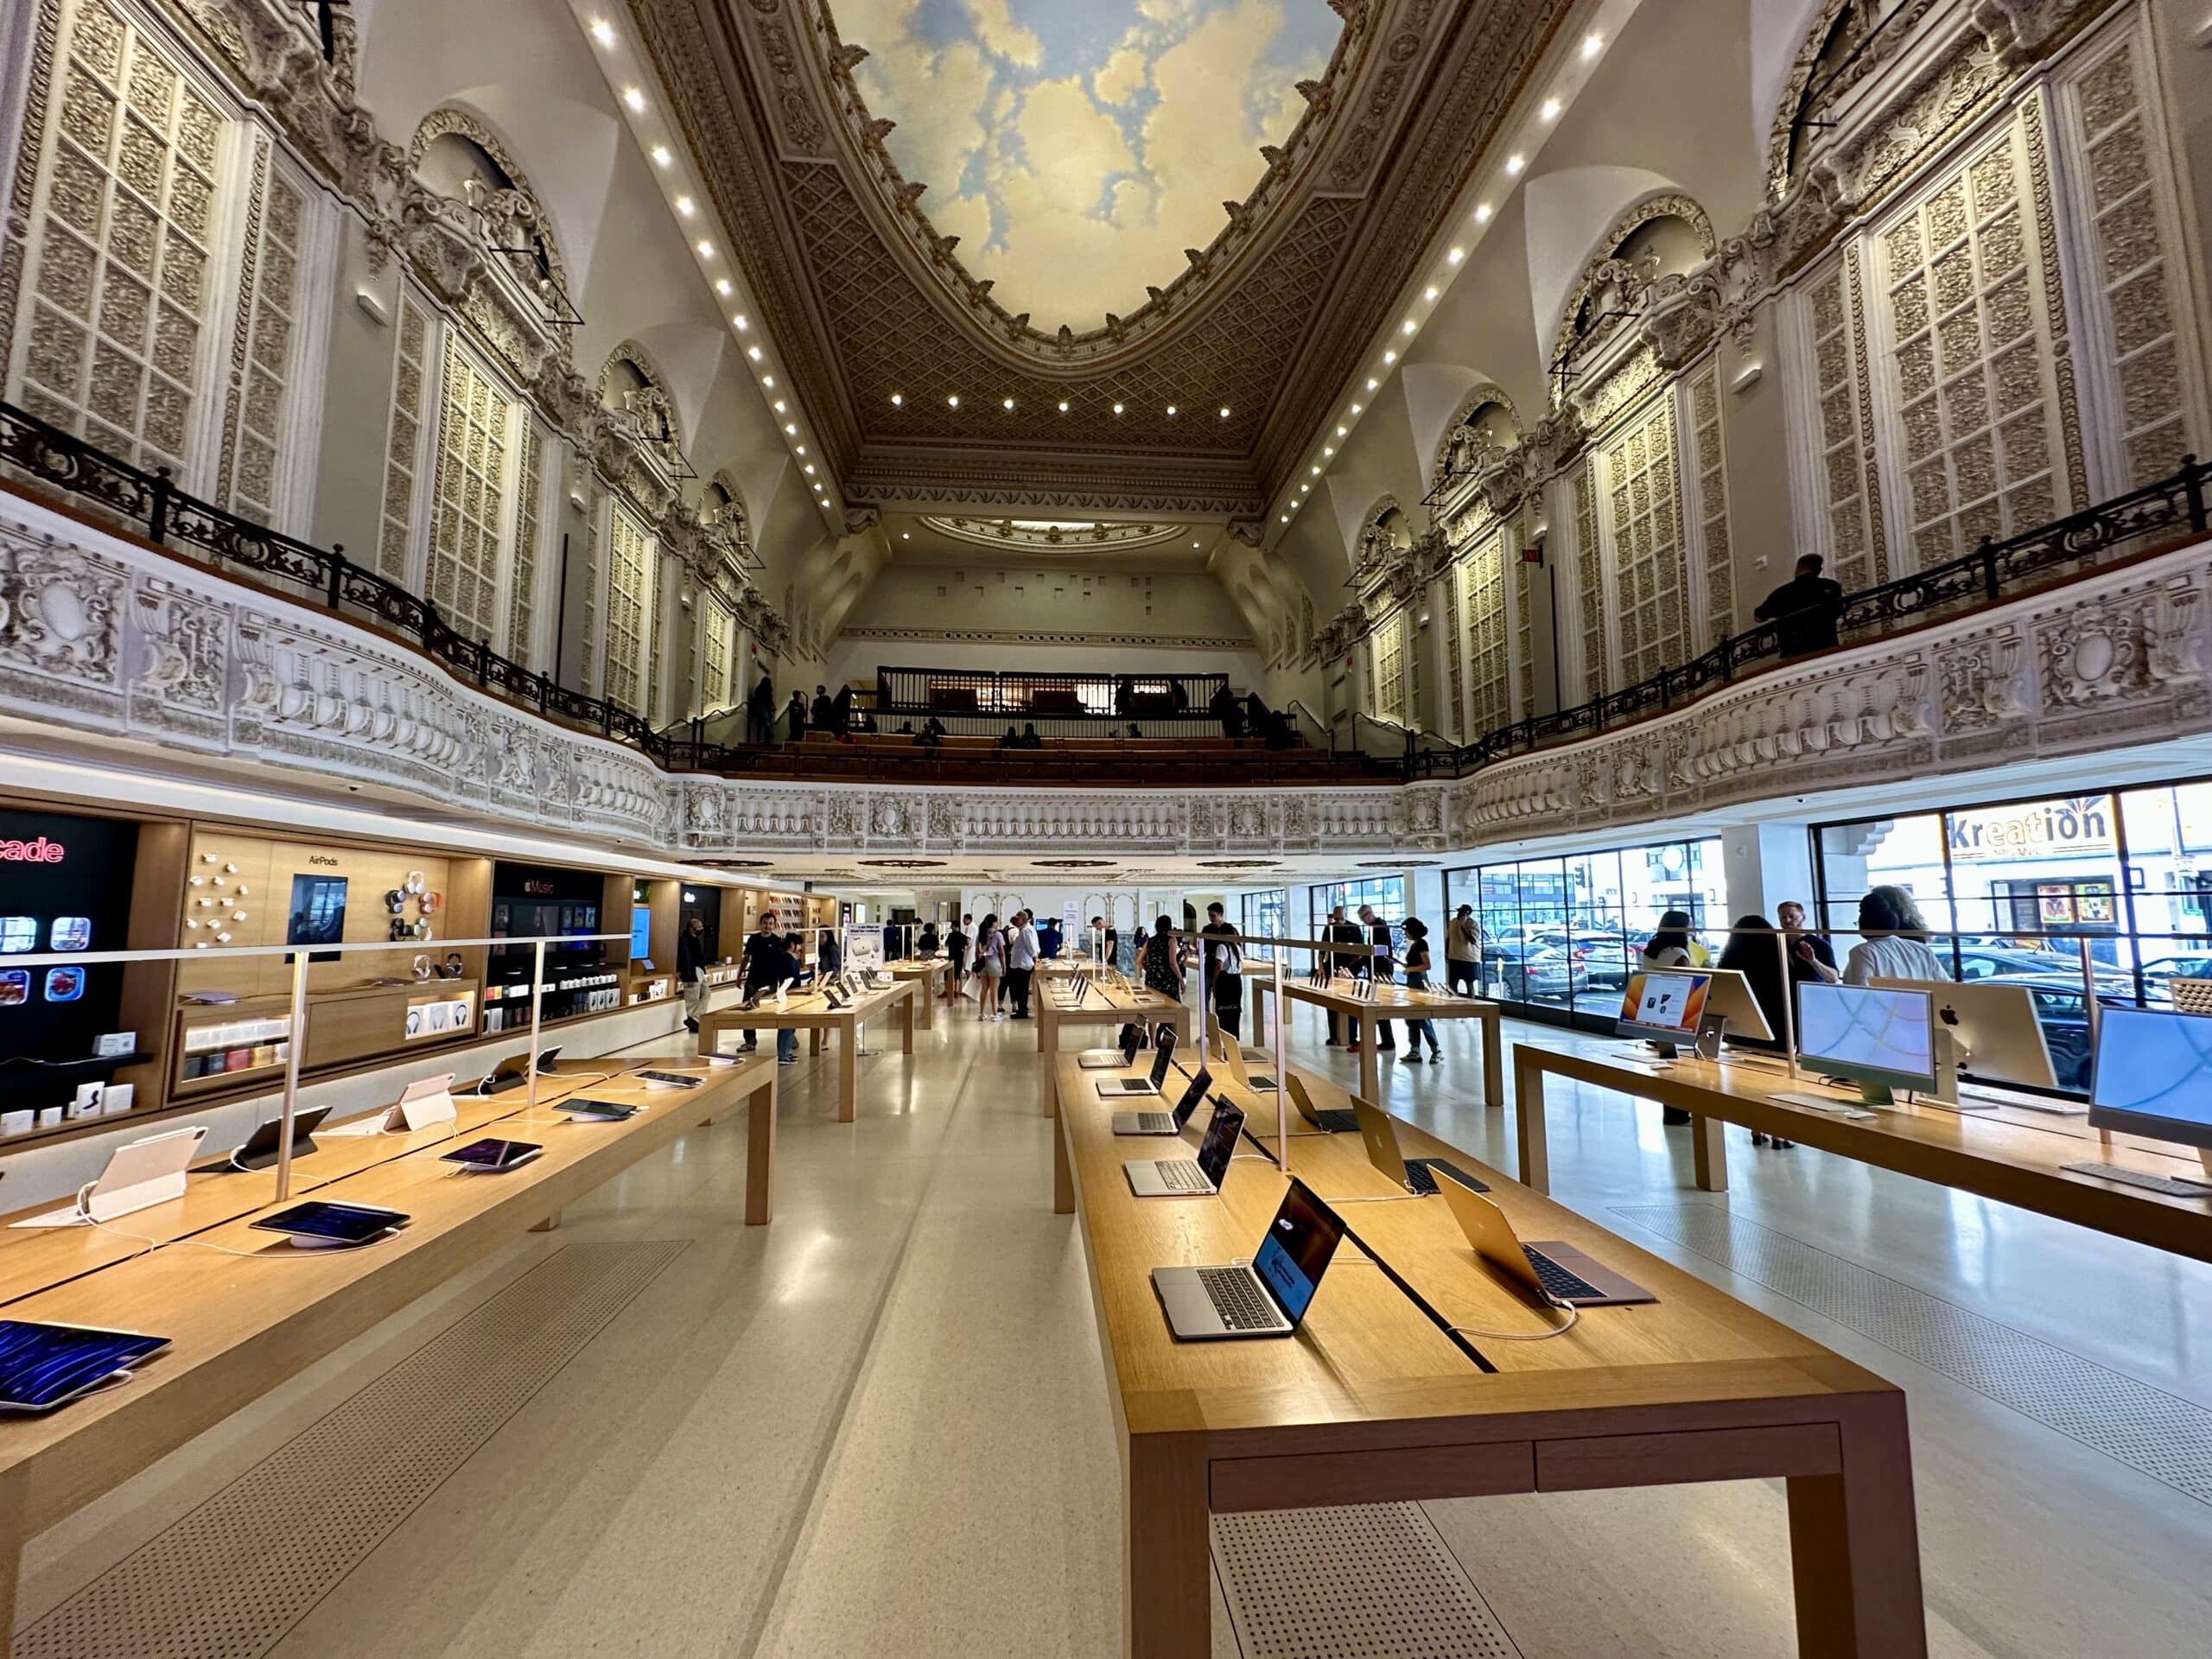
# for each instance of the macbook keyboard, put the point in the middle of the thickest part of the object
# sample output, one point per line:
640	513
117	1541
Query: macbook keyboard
1181	1175
1156	1122
1567	1286
1419	1179
2163	1184
1337	1122
1236	1296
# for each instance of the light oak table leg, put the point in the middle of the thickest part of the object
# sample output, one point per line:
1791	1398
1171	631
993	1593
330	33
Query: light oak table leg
1709	1154
1167	1582
1371	1068
1048	1043
849	1066
814	1039
1261	998
11	1544
1528	1121
547	1224
906	1031
760	1154
925	995
1493	1058
1063	1177
1854	1544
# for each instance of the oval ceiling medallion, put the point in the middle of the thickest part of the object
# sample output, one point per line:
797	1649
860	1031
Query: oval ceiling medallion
1073	863
1238	863
903	863
1400	864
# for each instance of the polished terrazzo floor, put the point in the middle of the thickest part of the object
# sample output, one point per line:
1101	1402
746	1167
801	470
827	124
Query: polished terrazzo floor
879	1427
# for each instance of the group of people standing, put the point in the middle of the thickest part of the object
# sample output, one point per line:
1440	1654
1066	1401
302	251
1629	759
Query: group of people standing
1381	963
1000	959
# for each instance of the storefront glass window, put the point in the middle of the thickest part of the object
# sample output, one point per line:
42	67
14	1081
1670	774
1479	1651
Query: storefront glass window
1263	918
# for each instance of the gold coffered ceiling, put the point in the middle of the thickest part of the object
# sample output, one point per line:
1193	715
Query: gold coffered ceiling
881	326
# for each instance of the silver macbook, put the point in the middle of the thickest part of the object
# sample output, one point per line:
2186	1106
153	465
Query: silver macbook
1185	1178
1109	1059
1163	1050
1166	1122
1266	1296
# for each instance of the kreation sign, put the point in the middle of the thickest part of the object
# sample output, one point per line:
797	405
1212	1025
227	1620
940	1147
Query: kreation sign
2083	824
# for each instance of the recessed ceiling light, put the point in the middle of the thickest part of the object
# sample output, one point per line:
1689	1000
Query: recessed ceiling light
1482	213
1390	357
904	537
1550	111
1064	405
752	352
952	402
1456	255
686	206
779	405
1305	486
801	450
809	469
1429	292
1515	162
1009	403
1372	384
634	99
1356	408
721	286
1171	409
1593	44
740	322
663	156
602	31
897	399
1408	327
1340	432
1117	409
706	249
1225	411
1286	517
1327	449
791	429
769	381
1317	472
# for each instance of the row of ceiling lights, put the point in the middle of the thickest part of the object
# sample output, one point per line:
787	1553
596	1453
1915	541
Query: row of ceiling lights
686	208
1515	164
953	401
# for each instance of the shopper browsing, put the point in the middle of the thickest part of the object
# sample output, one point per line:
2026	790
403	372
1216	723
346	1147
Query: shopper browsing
1463	952
990	970
1418	963
1226	971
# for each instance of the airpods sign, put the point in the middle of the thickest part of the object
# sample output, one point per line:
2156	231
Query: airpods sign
41	851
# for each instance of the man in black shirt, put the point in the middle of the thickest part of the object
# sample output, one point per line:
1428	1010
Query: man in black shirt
825	712
1340	931
795	718
690	960
1225	975
1804	609
763	952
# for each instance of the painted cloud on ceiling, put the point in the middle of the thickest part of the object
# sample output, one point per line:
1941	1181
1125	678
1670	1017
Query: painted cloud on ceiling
1076	147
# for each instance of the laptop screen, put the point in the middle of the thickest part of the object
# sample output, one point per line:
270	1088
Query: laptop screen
1191	1095
1220	1141
1295	1253
1162	1052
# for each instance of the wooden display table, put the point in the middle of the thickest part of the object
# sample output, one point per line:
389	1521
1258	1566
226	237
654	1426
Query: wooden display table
2014	1155
1371	1403
238	1328
925	972
1110	1007
811	1011
1396	1002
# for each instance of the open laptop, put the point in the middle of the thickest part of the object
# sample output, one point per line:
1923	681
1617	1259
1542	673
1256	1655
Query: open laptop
1239	1070
1185	1178
1265	1297
1381	1139
1163	1050
1166	1122
1329	1122
1556	1275
1111	1059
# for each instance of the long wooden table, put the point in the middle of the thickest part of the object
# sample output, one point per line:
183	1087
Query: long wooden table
1369	1402
811	1011
925	972
2013	1155
239	1327
1396	1002
1109	1006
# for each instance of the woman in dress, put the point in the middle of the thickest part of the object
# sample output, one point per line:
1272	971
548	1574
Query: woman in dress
1162	963
991	968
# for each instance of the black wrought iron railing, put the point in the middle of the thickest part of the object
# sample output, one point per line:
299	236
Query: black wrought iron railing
150	503
169	518
2173	507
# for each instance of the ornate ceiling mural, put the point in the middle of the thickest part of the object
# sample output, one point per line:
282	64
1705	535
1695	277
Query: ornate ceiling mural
1076	147
967	353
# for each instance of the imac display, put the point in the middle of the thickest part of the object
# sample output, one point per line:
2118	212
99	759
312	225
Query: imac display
317	915
1879	1039
1662	1009
2154	1076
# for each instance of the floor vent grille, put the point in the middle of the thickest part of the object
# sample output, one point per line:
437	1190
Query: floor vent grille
2157	1434
1373	1581
230	1579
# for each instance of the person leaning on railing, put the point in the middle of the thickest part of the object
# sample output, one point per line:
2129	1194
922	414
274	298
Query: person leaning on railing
1804	610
